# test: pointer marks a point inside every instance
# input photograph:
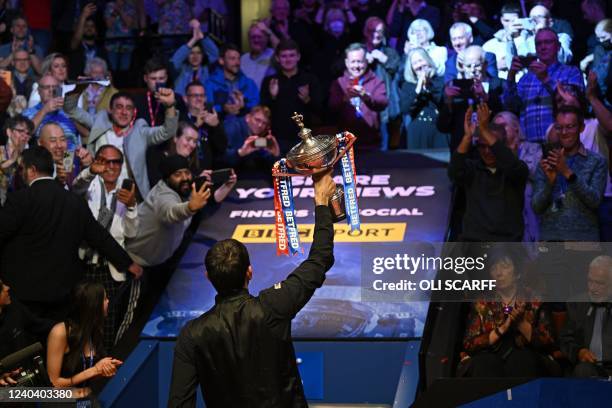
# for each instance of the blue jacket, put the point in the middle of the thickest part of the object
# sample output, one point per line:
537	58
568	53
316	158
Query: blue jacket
184	71
218	90
451	66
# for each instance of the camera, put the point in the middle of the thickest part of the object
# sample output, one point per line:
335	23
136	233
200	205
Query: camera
33	372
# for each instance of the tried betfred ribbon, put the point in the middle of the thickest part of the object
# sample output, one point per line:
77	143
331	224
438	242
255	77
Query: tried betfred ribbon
287	238
347	163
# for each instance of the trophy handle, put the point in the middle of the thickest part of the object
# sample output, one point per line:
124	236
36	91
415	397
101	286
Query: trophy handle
342	152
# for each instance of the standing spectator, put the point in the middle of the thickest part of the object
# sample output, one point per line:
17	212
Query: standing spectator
599	60
248	158
191	60
121	17
85	44
569	184
585	339
34	249
461	38
502	42
21	39
357	97
257	63
472	13
18	130
23	75
420	35
7	14
291	90
147	106
559	25
115	209
75	348
541	18
132	136
97	97
532	97
401	15
384	61
419	98
166	212
50	109
363	10
230	91
56	65
494	182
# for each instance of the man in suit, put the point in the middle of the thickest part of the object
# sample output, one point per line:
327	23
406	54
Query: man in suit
240	351
586	338
42	228
461	37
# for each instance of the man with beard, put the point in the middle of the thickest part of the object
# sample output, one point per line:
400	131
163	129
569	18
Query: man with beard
84	45
166	212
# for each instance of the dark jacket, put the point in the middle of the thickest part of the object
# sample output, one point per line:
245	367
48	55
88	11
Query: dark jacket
494	201
240	351
42	228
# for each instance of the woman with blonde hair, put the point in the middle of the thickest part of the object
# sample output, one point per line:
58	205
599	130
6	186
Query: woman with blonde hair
420	35
55	64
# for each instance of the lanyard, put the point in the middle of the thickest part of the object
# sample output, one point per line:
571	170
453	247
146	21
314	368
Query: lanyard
150	106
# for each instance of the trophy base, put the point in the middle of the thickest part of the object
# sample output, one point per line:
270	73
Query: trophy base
337	206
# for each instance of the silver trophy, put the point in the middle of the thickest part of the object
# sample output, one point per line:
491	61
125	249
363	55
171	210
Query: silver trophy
316	154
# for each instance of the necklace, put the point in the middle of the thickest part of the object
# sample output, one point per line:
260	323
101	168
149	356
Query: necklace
507	307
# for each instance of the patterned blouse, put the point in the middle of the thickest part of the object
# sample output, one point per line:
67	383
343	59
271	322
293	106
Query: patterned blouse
486	315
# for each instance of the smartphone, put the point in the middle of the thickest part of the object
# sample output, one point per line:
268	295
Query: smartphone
199	182
527	23
209	107
127	184
68	161
465	85
221	176
159	85
261	142
549	147
526	60
57	91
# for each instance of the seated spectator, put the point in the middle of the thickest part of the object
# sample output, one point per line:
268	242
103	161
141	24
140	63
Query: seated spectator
510	334
290	90
530	153
212	141
34	249
494	182
585	339
115	209
472	13
532	97
599	60
384	61
457	100
191	60
75	349
420	35
132	136
148	107
461	38
122	20
50	109
96	97
243	153
258	62
18	327
357	97
21	40
18	130
67	165
232	93
166	212
403	12
54	64
85	44
419	100
502	42
569	184
23	75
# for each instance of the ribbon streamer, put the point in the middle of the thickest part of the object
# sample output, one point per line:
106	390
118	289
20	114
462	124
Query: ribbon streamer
347	163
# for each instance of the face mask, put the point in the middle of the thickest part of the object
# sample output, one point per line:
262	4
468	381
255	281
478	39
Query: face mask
336	27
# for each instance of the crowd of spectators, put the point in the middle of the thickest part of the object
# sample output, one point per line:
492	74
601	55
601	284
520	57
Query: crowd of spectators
518	95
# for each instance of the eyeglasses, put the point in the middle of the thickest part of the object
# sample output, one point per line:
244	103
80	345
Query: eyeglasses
111	162
22	131
569	128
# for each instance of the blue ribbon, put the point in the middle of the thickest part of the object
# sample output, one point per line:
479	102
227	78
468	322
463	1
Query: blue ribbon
287	203
350	191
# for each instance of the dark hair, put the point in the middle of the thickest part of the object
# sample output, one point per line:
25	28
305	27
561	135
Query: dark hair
228	47
562	110
226	264
154	64
194	83
39	158
120	94
108	146
85	323
286	45
510	8
11	122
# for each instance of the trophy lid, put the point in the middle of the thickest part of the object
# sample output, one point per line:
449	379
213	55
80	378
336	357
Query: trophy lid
311	147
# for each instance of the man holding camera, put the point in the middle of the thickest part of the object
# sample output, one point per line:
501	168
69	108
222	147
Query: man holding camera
240	351
532	98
